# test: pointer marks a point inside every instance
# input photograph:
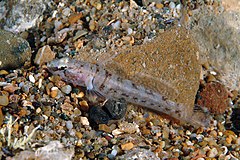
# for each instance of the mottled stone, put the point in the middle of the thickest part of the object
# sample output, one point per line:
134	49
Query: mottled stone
14	50
22	15
4	101
218	37
44	54
139	153
214	97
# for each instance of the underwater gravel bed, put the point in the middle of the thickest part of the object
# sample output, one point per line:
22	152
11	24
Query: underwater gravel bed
42	116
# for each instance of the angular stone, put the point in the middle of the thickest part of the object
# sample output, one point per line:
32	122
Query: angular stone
44	54
14	50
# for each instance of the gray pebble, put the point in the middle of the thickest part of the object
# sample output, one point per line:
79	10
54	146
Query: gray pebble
69	125
66	89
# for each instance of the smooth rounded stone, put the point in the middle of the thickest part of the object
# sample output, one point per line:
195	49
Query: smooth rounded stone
25	87
44	54
98	116
4	101
14	50
66	89
172	5
116	109
127	146
114	152
235	118
31	78
69	125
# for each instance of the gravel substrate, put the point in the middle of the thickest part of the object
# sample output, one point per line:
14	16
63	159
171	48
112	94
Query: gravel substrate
43	117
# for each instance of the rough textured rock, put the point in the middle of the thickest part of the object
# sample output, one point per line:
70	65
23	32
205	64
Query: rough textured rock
218	36
214	97
21	15
14	50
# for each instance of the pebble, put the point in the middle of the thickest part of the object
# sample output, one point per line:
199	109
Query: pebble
129	127
105	128
54	92
44	54
212	153
98	116
75	17
66	89
84	105
79	135
38	110
84	121
214	96
4	101
172	5
165	133
114	152
3	72
10	88
69	125
31	78
116	108
238	141
127	146
159	5
14	52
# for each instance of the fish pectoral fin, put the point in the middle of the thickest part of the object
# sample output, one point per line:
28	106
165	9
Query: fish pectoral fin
94	96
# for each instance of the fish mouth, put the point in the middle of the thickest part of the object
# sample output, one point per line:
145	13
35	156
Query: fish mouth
58	64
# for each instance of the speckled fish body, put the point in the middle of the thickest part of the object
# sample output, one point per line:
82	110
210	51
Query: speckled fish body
110	85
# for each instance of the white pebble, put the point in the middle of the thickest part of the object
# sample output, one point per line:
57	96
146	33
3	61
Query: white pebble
40	83
114	152
116	25
84	121
116	132
38	110
188	133
69	125
189	143
172	5
66	11
178	7
31	78
130	31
